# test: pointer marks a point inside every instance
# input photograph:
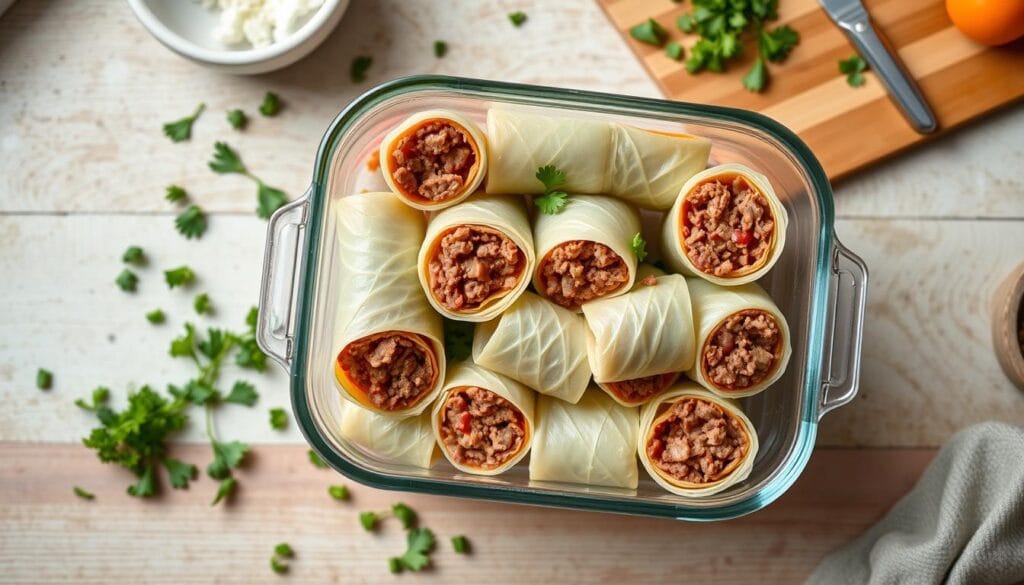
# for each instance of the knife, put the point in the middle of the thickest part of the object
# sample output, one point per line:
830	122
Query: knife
853	19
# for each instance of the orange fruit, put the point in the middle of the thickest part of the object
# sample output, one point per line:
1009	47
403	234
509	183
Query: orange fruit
990	22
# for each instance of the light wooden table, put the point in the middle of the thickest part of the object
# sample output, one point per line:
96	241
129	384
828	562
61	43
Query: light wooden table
83	165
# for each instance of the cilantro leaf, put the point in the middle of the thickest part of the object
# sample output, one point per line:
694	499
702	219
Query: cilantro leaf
776	44
156	316
551	203
270	200
99	397
226	160
284	550
639	246
458	339
674	51
180	130
202	304
175	194
551	177
649	32
224	491
231	453
395	565
180	472
83	494
440	49
127	280
184	346
146	486
368	520
251	318
316	460
249	354
237	119
278	419
199	393
338	492
271	104
517	18
133	255
360	65
180	276
277	566
191	223
685	23
460	544
242	393
216	342
757	77
419	543
44	379
853	68
404	514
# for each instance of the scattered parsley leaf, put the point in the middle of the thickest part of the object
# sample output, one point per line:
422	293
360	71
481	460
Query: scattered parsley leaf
199	393
156	316
517	18
180	276
180	472
242	393
649	32
184	346
224	491
685	23
284	550
419	542
395	565
776	44
226	160
191	223
551	203
639	246
458	339
237	119
271	104
278	419
175	194
146	486
440	49
232	452
269	199
368	520
83	494
360	65
277	566
249	354
127	280
133	255
180	130
404	514
460	544
316	460
551	177
44	379
853	69
757	77
202	304
674	51
338	492
99	398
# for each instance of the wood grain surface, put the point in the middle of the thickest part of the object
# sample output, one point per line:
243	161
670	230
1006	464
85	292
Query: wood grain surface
847	128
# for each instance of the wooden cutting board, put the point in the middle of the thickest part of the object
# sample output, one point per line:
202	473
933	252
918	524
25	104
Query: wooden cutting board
847	128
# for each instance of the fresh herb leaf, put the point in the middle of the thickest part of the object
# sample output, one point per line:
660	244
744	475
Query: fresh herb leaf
202	304
639	246
419	542
156	316
368	520
458	340
551	203
271	104
199	393
175	194
551	177
649	32
127	280
757	77
184	346
134	255
440	49
284	550
270	200
278	419
242	393
231	453
395	565
277	566
685	23
460	544
338	492
237	119
404	514
316	460
249	354
44	379
776	44
180	472
83	494
146	486
517	18
224	490
853	69
99	398
674	51
180	130
226	160
360	65
180	276
191	223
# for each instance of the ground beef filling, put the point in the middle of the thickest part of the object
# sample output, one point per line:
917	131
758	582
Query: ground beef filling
638	390
727	226
579	271
434	161
473	264
697	442
391	369
743	350
481	429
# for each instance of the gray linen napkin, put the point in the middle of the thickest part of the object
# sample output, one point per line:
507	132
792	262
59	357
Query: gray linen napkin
962	523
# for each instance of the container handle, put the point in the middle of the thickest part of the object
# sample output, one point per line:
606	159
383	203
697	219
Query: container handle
282	261
848	300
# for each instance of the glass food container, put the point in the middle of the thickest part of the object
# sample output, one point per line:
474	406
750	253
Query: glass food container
818	284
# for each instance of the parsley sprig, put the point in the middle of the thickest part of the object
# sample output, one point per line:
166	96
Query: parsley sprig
552	201
191	223
227	161
639	247
180	130
853	68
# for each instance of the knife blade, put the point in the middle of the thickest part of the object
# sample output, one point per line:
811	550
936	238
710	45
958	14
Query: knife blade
852	18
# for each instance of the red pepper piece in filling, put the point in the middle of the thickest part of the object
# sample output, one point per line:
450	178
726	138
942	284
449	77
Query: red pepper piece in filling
465	420
742	238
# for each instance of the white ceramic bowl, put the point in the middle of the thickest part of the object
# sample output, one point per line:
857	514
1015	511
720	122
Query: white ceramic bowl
186	27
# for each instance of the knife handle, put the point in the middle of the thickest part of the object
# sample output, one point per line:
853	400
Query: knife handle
890	70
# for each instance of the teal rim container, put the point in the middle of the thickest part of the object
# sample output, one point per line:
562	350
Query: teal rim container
819	285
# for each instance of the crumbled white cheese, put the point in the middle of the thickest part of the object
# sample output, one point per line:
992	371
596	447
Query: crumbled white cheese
259	22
